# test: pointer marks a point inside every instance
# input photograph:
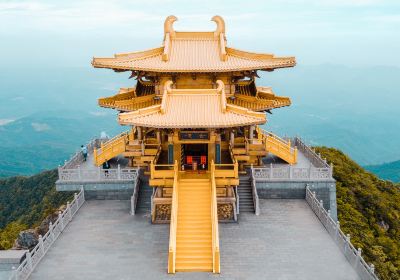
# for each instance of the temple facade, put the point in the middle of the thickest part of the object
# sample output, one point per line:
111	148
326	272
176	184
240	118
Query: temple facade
193	125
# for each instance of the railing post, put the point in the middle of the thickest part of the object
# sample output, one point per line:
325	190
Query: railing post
337	230
14	273
60	217
119	172
358	257
99	172
270	171
328	217
290	171
41	245
151	170
346	244
83	193
372	268
29	260
76	202
51	230
310	171
331	171
69	210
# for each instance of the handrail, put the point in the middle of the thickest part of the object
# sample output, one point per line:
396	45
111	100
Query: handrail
277	145
166	173
34	256
232	154
174	222
364	270
310	154
214	222
256	200
113	147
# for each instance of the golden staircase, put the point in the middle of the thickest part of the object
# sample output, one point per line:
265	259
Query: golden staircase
140	152
277	146
250	151
194	241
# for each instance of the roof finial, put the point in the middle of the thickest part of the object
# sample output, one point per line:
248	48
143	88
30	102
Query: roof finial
168	28
220	25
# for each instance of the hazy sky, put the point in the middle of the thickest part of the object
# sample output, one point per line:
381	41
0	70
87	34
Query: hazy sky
69	33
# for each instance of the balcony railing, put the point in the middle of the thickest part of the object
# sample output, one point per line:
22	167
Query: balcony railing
288	172
74	169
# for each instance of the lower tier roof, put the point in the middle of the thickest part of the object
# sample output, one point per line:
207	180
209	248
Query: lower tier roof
186	109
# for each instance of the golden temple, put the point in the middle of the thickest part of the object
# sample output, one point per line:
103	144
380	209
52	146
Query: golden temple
193	121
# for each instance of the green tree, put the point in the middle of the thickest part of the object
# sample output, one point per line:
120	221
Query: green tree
10	233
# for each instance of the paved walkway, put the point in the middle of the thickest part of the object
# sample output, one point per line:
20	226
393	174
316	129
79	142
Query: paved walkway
302	161
285	242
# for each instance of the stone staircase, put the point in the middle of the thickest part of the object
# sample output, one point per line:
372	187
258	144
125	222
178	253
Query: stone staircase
194	233
246	204
144	196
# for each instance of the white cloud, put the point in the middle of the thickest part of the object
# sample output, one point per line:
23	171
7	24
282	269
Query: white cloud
5	121
17	98
39	127
98	114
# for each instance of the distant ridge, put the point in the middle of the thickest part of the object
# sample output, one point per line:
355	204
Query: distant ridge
387	171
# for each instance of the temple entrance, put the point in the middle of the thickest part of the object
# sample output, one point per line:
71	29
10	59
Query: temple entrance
194	157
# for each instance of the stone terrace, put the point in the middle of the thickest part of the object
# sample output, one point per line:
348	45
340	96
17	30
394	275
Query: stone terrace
286	241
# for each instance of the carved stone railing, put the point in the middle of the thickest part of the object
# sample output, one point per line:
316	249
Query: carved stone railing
77	158
312	156
364	270
72	170
98	174
34	256
135	196
291	173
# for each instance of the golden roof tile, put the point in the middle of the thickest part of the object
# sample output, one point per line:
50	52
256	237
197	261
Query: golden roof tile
194	52
195	108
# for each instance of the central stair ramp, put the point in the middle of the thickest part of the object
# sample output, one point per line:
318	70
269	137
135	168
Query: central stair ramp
194	235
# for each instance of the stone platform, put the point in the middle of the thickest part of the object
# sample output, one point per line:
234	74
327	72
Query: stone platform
286	241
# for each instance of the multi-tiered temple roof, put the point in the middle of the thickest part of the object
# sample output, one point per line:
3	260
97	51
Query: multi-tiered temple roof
194	52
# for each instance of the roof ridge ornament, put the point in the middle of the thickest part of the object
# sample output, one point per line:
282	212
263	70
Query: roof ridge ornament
220	25
168	33
221	90
167	89
168	25
220	34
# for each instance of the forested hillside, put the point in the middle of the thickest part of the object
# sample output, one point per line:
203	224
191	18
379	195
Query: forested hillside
368	210
25	202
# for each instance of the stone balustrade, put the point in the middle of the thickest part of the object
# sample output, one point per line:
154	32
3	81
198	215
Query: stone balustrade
79	174
34	256
76	169
353	255
288	172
